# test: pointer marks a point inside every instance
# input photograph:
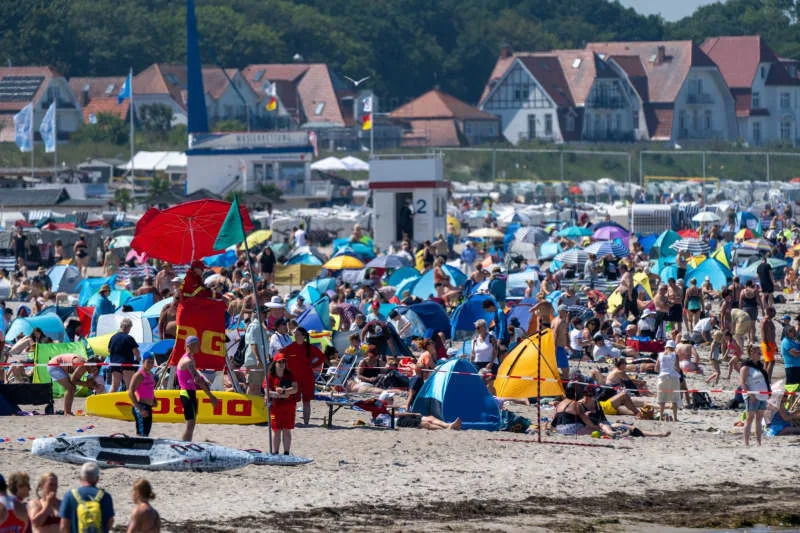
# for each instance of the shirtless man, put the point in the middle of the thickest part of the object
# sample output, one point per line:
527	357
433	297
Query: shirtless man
560	328
661	304
686	353
544	314
626	290
675	298
768	346
164	278
167	321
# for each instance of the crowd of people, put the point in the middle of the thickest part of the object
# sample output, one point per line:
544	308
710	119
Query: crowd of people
84	508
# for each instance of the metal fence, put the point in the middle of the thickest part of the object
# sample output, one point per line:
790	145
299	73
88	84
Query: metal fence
567	165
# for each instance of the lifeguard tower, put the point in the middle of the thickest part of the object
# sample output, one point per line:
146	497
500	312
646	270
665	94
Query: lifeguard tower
409	196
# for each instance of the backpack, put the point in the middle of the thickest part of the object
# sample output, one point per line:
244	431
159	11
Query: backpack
238	356
701	400
89	513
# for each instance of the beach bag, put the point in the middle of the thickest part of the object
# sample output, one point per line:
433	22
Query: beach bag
89	513
701	400
238	356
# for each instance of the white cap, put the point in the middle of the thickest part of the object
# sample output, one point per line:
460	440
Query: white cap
670	344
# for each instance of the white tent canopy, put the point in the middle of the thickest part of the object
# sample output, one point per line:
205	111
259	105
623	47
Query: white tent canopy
149	161
140	331
354	163
328	164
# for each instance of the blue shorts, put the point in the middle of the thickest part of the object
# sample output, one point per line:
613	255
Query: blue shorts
754	404
562	361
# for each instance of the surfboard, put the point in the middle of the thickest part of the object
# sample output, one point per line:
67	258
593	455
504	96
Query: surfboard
233	408
141	453
276	459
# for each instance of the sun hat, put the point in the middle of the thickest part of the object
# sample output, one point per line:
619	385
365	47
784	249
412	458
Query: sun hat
276	302
670	344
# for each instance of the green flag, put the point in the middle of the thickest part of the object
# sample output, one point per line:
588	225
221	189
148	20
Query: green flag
232	231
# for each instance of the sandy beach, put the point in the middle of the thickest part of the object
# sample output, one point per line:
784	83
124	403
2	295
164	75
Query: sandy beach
366	479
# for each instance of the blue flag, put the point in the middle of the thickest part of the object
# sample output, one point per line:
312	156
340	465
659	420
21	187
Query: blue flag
23	128
125	91
48	128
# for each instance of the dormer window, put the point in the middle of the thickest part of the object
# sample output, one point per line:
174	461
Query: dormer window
319	107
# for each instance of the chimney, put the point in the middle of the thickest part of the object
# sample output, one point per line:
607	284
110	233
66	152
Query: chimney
506	51
661	54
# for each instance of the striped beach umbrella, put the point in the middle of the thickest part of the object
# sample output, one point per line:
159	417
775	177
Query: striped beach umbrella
604	248
573	256
691	245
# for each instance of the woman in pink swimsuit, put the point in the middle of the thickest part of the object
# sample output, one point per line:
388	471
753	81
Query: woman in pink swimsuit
142	395
189	379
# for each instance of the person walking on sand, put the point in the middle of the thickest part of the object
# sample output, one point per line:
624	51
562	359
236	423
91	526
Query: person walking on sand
756	390
144	518
768	345
668	384
188	380
84	498
281	395
142	395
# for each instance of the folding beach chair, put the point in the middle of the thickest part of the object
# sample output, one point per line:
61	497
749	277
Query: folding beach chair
337	376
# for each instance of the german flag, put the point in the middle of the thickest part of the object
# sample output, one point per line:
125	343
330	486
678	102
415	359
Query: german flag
366	122
272	103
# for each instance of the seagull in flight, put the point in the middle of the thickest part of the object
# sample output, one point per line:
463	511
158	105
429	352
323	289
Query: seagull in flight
356	83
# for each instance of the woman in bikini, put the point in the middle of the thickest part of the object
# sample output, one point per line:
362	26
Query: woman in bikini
43	510
693	303
68	369
144	518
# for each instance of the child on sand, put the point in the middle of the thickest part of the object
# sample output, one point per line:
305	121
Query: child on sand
717	339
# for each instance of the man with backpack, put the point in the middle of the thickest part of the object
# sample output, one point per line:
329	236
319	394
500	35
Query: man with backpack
87	509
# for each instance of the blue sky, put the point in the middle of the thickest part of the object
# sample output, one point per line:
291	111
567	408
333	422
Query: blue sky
669	9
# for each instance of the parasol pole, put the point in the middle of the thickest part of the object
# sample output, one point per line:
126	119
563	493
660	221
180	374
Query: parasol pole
539	385
261	327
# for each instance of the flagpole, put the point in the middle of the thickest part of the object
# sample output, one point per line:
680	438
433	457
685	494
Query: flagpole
130	102
33	143
55	140
264	361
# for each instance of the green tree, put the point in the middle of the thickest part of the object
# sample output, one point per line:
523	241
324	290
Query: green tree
272	192
230	125
160	184
155	118
123	198
108	128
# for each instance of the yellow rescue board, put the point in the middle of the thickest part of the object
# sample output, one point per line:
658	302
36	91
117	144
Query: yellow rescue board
233	408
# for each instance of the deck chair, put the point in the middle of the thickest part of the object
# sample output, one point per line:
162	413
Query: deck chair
337	376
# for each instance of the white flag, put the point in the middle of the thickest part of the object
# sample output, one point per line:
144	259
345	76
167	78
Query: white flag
48	128
368	104
23	128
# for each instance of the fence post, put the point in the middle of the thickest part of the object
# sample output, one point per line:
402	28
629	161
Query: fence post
704	165
561	152
769	180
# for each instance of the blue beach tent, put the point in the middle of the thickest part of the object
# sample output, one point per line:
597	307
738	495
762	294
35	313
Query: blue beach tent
454	390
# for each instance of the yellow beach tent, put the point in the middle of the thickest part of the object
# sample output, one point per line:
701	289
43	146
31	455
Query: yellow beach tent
523	362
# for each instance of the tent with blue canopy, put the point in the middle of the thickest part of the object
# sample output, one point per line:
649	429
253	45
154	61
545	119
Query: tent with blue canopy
662	247
311	320
323	285
751	270
746	219
142	302
154	311
49	323
118	297
432	316
517	282
549	250
455	390
226	259
65	278
463	318
647	242
523	313
89	287
304	259
669	271
716	272
309	294
363	249
402	273
407	284
424	287
63	311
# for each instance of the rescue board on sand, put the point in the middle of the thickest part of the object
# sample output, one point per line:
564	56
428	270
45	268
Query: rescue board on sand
234	408
141	453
